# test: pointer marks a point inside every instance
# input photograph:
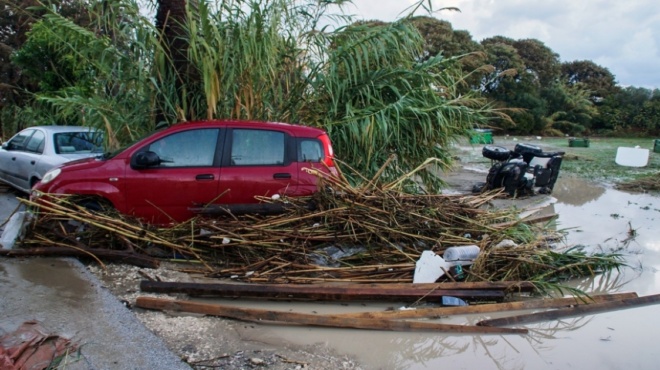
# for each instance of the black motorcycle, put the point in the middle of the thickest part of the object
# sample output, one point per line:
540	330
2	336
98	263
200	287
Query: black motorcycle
526	170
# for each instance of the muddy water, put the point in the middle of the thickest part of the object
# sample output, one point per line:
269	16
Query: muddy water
42	280
597	217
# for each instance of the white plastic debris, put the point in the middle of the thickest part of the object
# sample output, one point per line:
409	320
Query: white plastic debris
226	240
430	267
506	243
461	254
275	197
632	157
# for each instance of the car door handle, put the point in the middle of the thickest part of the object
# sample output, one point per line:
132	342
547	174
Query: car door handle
280	176
206	176
33	162
13	158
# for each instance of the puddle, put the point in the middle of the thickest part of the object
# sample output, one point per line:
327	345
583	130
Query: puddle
41	282
596	217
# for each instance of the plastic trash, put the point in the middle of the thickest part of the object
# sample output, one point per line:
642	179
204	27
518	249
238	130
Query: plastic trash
460	254
430	267
632	157
452	301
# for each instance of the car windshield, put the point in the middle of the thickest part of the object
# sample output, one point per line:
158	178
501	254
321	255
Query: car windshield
78	142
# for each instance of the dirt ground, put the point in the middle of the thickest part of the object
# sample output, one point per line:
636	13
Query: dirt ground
211	342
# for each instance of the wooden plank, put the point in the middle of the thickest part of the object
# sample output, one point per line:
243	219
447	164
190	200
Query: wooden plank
263	316
313	292
579	310
524	286
432	312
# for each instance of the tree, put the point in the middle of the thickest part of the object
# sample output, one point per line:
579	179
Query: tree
597	79
506	64
540	61
570	110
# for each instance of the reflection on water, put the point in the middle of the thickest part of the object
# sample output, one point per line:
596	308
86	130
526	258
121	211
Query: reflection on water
596	217
53	279
575	191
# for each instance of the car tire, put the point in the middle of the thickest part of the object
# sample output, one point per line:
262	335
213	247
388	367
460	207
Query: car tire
496	153
93	204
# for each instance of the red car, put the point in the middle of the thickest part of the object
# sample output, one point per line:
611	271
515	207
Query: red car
170	175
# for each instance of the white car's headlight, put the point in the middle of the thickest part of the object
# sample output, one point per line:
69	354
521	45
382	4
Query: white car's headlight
51	175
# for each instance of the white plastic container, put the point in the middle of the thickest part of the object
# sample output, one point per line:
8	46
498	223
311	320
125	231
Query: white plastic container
467	253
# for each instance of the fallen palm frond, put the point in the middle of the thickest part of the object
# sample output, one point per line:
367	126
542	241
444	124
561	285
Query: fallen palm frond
362	234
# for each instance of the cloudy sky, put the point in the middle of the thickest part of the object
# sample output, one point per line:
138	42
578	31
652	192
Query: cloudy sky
623	36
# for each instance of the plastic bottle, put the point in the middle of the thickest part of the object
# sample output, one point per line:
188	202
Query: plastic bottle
461	253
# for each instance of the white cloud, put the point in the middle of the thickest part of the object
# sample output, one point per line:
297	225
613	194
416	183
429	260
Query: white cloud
621	36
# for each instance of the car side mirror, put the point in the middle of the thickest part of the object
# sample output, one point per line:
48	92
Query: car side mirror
5	145
145	160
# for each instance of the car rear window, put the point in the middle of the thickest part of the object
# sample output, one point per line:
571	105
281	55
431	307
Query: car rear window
78	142
310	150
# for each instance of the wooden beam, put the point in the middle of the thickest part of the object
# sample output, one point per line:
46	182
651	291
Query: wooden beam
524	286
579	310
263	316
314	292
432	312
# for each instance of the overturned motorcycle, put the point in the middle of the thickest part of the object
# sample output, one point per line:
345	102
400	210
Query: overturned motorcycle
526	170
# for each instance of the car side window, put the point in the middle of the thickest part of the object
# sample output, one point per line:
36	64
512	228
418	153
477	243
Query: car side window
310	150
257	147
193	148
36	142
18	142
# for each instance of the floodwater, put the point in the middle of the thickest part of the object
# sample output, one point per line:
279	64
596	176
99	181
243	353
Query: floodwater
601	219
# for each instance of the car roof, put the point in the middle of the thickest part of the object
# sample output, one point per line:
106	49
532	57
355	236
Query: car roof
57	129
296	129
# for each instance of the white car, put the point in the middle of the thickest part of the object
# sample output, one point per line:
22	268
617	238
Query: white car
28	155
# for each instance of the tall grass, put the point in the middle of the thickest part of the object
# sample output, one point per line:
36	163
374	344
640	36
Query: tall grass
275	60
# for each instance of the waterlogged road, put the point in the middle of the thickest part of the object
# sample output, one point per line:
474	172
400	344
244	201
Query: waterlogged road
598	218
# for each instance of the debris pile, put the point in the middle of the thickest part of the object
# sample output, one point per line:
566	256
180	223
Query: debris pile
373	233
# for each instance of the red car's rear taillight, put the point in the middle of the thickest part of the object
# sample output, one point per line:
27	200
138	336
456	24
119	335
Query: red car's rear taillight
328	159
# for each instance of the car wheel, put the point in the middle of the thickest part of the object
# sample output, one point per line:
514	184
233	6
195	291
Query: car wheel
92	204
496	153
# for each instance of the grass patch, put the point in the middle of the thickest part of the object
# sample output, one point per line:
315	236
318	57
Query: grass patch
595	163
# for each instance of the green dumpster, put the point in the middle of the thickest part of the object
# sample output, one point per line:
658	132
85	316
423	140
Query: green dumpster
481	136
578	143
656	146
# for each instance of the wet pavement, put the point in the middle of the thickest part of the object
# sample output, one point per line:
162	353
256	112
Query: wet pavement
70	302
